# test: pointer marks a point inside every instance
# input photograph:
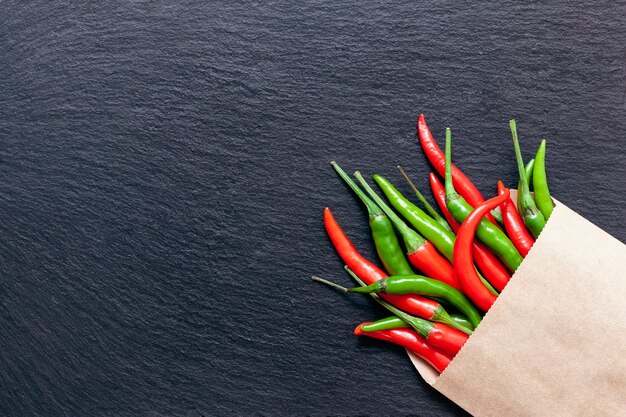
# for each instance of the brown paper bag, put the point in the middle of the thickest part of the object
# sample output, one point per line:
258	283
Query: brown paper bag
554	343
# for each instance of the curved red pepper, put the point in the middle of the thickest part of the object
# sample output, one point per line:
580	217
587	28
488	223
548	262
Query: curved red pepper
412	341
515	228
433	152
462	259
369	273
488	263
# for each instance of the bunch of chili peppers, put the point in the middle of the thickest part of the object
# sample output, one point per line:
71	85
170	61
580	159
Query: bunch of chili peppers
465	255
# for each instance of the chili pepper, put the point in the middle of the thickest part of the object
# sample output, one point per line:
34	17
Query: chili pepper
420	252
533	218
487	262
463	262
395	322
528	172
387	246
368	272
514	225
540	183
440	336
436	157
440	237
417	284
490	235
429	209
412	341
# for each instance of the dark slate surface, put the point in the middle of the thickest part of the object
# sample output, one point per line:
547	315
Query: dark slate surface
164	165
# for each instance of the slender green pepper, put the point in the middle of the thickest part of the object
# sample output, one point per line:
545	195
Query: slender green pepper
418	284
540	183
527	208
387	246
420	325
395	322
428	227
429	209
487	232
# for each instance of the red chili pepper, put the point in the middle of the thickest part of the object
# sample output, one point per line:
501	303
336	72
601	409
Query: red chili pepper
369	273
433	152
514	225
412	341
463	262
444	338
488	263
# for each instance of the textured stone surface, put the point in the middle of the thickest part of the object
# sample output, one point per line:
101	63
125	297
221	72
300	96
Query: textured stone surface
164	165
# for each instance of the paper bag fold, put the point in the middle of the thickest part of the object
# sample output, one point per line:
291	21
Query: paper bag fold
554	343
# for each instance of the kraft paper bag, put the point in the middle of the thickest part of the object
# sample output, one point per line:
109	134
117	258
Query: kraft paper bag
554	342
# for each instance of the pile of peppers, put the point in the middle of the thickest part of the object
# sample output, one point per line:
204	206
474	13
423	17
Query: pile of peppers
465	254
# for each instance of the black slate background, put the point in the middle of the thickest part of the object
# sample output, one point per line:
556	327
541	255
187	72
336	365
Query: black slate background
164	166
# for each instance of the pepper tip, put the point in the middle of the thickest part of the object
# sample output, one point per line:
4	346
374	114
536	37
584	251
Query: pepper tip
420	122
358	331
501	187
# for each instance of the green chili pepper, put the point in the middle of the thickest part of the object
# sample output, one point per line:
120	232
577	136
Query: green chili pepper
429	209
527	208
428	227
387	246
420	325
421	285
540	183
417	284
487	232
395	322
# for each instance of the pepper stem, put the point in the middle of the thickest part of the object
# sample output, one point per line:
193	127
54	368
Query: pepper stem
372	209
411	238
329	283
528	172
451	193
527	204
431	211
378	286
